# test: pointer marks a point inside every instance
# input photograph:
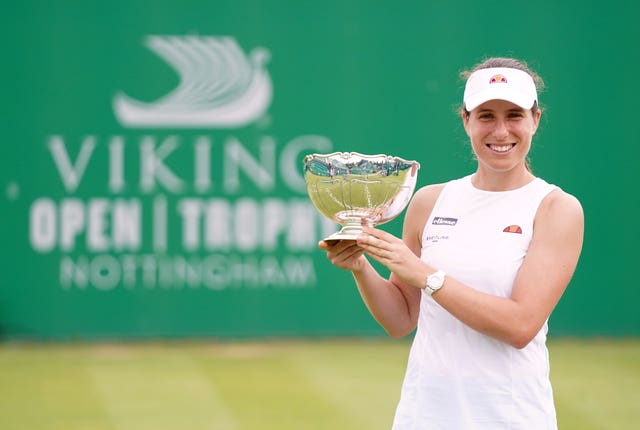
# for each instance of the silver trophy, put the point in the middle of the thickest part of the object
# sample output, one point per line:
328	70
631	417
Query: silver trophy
353	189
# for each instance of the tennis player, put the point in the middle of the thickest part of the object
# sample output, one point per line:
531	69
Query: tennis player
482	262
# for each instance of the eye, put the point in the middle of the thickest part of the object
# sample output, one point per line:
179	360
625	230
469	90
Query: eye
485	116
516	114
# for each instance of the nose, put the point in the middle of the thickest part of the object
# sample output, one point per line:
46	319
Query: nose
501	131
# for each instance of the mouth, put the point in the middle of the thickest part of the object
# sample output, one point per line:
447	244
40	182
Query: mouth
501	149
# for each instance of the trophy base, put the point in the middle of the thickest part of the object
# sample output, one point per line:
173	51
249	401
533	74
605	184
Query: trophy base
350	232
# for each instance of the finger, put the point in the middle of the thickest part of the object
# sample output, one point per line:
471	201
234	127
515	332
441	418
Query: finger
376	232
327	245
377	253
346	258
342	249
352	253
372	243
338	244
376	257
341	245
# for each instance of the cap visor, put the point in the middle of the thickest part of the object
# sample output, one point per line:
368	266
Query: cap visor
476	100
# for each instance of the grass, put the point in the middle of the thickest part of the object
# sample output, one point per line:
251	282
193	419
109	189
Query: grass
596	384
310	384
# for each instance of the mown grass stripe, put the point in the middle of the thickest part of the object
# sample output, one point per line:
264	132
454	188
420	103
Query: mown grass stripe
266	393
596	383
357	381
45	387
158	389
284	385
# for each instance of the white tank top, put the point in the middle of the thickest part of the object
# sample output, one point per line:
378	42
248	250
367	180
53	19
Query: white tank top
458	378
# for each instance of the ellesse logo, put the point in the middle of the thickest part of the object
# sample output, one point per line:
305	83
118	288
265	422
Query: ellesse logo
513	229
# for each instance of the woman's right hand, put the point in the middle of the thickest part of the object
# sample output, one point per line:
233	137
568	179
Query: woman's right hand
345	254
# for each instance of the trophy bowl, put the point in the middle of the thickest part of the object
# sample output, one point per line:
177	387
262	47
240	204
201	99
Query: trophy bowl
353	189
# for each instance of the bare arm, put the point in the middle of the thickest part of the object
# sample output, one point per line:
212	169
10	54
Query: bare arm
392	302
544	275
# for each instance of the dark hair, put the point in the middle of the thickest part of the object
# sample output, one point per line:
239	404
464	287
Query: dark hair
510	63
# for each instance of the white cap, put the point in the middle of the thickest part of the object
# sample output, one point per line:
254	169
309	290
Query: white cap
500	83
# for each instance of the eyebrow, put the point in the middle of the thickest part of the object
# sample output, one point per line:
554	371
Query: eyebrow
518	109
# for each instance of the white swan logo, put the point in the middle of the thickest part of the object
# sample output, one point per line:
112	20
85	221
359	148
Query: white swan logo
219	85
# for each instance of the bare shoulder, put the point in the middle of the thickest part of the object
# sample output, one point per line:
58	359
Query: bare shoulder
425	198
560	219
418	212
560	207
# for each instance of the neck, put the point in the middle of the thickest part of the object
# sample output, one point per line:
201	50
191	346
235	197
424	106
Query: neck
501	181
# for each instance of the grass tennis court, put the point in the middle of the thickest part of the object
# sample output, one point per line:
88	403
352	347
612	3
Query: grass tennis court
302	384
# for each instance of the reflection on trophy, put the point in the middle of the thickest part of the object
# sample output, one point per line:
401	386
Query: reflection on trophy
353	189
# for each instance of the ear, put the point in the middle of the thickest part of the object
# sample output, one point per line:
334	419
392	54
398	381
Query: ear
465	120
536	120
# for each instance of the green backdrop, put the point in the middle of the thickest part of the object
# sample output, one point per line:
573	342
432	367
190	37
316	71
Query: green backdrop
151	153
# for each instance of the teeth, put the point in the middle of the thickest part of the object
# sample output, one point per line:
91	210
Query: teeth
501	148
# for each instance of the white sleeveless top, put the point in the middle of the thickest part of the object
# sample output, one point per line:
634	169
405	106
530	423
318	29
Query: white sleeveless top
458	378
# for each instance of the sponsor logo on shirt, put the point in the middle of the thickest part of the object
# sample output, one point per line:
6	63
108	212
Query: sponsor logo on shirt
444	221
436	237
513	229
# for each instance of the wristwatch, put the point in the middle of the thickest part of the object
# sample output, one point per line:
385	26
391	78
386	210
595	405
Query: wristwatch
434	282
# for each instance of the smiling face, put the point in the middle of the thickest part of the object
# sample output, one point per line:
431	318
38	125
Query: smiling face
501	134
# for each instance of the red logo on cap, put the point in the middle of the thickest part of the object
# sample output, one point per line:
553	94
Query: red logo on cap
498	79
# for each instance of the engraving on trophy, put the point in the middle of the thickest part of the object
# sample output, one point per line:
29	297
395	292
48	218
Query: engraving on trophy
353	189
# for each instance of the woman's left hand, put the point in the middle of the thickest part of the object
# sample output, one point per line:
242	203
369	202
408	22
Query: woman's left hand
393	253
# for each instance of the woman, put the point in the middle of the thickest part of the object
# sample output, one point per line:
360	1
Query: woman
482	263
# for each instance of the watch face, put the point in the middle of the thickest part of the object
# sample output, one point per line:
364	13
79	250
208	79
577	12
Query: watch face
436	280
